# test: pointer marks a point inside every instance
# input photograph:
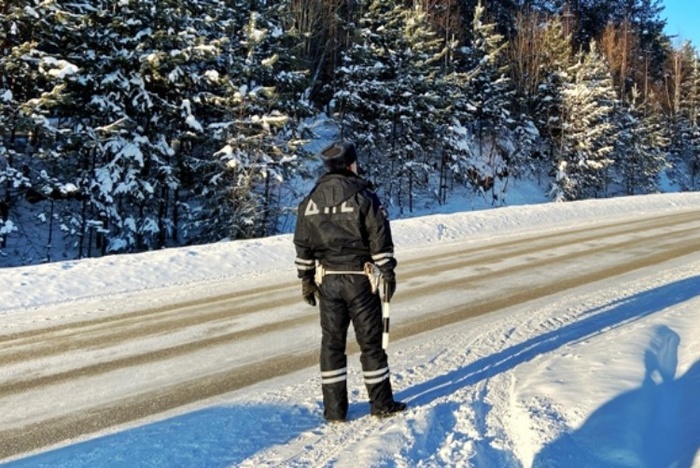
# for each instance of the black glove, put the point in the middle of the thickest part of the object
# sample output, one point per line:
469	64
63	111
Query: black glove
309	291
389	279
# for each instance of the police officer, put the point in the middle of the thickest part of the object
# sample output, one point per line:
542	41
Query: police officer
341	226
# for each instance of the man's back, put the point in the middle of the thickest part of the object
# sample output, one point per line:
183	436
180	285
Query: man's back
341	223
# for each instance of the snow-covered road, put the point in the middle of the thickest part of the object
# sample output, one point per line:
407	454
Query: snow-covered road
114	360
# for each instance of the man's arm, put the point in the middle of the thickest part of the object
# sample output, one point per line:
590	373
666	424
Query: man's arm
381	244
305	260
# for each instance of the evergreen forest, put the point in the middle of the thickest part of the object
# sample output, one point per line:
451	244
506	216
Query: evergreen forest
134	125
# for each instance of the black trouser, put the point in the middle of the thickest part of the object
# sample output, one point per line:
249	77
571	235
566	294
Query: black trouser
346	298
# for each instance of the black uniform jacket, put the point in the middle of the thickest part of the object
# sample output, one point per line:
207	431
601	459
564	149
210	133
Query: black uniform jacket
342	225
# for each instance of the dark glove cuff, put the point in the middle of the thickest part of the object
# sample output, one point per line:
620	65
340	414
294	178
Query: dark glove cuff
389	275
307	275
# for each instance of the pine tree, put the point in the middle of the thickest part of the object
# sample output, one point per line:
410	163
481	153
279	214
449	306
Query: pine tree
456	144
680	101
387	95
32	83
146	103
645	17
539	56
243	177
692	111
639	150
547	100
121	127
490	91
17	81
588	130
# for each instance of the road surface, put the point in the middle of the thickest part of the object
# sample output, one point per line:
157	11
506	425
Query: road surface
63	380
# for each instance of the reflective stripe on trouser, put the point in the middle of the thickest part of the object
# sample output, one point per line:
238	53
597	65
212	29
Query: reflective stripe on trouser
335	393
346	298
334	376
377	376
379	387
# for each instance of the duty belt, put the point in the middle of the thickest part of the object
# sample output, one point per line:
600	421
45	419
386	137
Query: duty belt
370	270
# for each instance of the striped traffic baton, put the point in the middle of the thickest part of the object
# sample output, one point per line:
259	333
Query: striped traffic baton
386	311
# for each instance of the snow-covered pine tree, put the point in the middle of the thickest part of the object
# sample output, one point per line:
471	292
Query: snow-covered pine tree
588	130
680	113
387	95
490	92
132	91
526	53
454	115
18	82
243	177
363	83
546	100
419	131
691	109
34	76
149	89
455	146
289	70
640	146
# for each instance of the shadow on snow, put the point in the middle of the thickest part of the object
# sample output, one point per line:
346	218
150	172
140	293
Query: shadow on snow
655	425
213	437
666	422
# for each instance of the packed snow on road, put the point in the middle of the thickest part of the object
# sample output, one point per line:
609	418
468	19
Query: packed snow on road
539	335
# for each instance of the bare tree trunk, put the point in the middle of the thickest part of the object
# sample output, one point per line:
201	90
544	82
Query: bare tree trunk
526	55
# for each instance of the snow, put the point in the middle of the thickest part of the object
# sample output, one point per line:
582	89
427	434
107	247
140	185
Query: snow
59	68
603	373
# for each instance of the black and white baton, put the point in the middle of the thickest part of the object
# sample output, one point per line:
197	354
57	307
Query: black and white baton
385	314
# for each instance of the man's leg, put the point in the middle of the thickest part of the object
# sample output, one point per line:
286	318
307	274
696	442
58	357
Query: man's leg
366	314
334	327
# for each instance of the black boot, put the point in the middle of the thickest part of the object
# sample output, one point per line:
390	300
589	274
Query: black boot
333	418
389	410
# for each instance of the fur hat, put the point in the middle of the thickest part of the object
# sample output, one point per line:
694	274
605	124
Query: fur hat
338	155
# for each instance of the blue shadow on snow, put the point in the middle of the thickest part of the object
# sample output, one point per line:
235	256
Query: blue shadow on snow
213	437
596	321
656	425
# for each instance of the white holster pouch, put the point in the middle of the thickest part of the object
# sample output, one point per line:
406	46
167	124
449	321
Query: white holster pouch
375	276
320	273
